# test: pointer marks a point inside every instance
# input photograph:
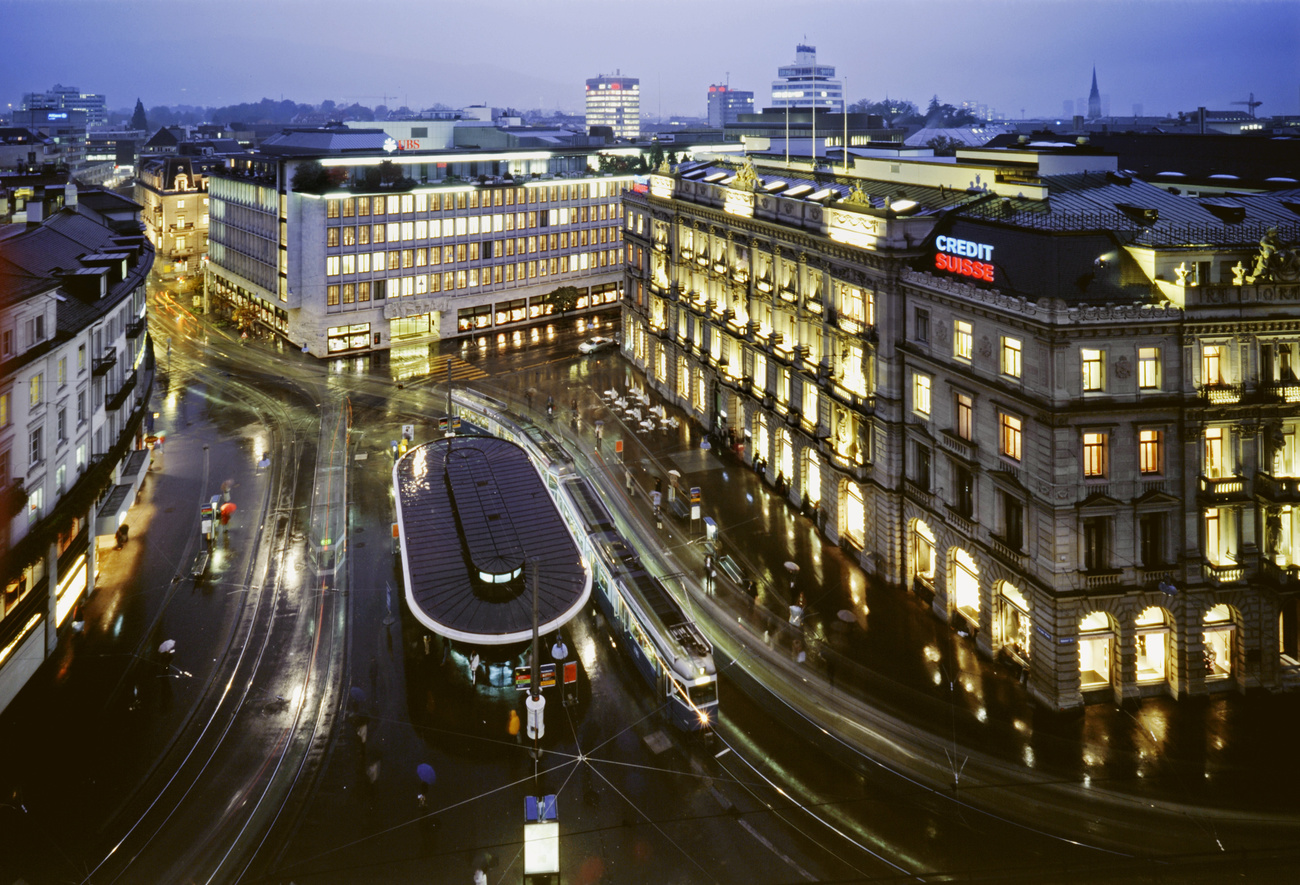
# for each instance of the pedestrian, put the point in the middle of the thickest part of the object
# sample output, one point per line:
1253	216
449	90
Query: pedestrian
797	648
121	535
751	590
480	877
473	669
512	726
630	493
796	613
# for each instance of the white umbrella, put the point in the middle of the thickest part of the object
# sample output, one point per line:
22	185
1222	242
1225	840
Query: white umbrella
611	393
168	646
792	567
648	424
675	472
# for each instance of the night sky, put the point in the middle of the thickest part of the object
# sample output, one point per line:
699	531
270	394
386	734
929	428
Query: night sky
1015	57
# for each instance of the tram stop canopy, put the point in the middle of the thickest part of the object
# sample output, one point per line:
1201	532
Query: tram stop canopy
477	524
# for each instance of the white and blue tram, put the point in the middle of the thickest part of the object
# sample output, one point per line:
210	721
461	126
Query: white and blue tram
668	649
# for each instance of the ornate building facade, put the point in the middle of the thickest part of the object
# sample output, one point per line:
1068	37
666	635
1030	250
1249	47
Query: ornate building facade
1055	402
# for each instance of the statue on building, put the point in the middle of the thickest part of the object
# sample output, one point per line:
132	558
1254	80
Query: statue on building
1276	261
746	178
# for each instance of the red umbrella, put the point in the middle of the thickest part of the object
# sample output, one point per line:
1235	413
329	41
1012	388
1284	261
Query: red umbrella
228	508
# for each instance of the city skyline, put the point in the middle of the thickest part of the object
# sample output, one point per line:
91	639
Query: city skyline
1145	54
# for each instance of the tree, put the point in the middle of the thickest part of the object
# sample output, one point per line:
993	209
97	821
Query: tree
138	120
244	317
310	176
563	299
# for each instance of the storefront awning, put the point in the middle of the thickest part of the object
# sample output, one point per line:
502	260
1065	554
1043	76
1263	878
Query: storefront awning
113	511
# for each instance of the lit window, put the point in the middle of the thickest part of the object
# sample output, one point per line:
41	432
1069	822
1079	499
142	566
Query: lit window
37	383
1094	454
1011	357
332	266
961	339
1149	454
1010	437
1148	368
1213	360
921	394
1214	452
965	416
1093	370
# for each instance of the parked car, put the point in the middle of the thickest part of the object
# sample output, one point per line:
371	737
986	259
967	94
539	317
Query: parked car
594	345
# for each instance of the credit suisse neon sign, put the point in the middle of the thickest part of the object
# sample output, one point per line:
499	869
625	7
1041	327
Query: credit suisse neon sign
965	257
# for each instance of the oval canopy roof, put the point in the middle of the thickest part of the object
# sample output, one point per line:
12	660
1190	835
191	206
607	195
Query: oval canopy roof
477	524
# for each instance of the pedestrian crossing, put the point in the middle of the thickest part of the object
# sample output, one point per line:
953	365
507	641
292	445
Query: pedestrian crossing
460	370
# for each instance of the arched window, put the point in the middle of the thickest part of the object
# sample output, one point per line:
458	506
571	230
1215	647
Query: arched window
966	586
1096	650
855	514
923	541
1218	642
1152	645
1013	623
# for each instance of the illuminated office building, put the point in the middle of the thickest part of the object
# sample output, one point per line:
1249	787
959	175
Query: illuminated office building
806	84
390	247
1054	402
727	104
615	102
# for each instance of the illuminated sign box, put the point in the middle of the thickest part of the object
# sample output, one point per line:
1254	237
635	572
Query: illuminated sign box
964	257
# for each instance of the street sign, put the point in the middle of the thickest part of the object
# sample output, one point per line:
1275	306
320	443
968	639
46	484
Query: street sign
695	511
455	422
524	677
442	423
570	672
618	446
695	494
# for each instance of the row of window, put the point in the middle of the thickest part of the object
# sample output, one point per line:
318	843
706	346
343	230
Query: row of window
1093	360
447	281
406	204
1096	443
407	231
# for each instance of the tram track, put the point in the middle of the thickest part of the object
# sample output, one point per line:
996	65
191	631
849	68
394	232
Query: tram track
210	756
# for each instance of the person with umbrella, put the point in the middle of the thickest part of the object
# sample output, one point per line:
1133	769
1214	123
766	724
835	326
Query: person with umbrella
425	774
227	509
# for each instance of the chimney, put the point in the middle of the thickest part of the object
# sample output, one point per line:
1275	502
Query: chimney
35	211
70	195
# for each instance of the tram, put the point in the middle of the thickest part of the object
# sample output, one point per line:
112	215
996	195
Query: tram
666	646
329	497
668	649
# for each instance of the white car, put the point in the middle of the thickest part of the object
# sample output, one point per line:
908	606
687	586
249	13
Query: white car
593	345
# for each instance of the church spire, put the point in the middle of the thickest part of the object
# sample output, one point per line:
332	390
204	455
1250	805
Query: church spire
1094	97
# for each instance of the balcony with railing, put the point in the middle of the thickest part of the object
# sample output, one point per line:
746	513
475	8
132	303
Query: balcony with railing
1282	391
1222	489
135	328
1100	579
1286	577
1227	573
104	364
1220	394
1277	489
1007	553
115	401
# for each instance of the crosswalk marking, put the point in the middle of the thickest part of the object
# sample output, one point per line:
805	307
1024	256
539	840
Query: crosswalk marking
460	370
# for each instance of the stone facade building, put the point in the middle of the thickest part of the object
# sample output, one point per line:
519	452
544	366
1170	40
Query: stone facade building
1056	402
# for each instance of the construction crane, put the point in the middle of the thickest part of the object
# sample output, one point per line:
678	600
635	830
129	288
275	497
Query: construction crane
383	98
1250	103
